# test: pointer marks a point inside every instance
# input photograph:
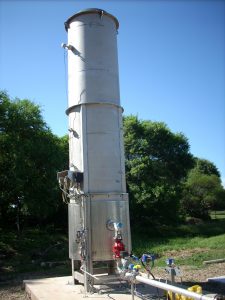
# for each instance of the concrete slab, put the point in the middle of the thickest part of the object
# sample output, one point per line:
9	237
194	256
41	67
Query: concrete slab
220	279
62	288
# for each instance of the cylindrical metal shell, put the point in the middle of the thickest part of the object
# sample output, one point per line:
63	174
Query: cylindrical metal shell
96	134
95	115
96	147
93	65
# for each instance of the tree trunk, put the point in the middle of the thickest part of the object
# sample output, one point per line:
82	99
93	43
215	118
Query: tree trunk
18	216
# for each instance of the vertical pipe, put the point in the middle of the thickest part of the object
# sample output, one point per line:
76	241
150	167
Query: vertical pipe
173	281
72	266
132	289
88	241
85	260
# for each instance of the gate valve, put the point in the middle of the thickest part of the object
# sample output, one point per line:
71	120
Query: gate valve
117	248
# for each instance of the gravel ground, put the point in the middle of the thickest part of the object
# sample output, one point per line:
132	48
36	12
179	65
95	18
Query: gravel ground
191	276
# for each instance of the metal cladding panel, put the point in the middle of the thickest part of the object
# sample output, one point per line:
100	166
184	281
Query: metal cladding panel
96	147
106	171
103	210
75	224
93	65
103	207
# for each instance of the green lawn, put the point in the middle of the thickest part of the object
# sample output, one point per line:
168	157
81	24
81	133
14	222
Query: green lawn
188	244
192	245
186	251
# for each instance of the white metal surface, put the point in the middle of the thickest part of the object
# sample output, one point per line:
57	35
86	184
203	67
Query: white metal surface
95	136
103	208
95	115
93	66
96	147
172	288
111	208
75	224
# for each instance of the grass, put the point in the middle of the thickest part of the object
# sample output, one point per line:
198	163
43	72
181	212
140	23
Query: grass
192	244
186	251
24	253
188	244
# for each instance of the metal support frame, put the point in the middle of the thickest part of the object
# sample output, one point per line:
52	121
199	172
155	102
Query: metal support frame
87	262
173	281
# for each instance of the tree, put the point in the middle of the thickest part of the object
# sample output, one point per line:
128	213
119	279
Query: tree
203	190
201	194
157	160
30	157
206	167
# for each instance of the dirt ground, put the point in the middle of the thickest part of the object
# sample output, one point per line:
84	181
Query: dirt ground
190	276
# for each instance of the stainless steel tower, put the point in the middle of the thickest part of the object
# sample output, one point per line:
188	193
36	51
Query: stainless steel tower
94	186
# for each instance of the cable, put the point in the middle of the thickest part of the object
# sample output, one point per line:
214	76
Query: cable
111	297
65	70
149	272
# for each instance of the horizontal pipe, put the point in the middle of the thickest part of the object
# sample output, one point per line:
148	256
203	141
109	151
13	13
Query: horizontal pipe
214	261
172	288
81	268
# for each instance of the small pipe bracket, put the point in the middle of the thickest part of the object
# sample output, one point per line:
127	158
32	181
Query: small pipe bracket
68	47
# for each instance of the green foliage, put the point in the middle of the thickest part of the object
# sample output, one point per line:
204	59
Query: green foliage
202	193
206	167
30	157
217	214
189	244
26	252
156	162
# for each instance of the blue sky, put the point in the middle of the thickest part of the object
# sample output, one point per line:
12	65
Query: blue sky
171	61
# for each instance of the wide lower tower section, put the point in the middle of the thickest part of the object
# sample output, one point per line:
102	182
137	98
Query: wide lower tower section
94	186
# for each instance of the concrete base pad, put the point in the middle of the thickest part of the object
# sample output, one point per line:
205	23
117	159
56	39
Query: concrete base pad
62	288
220	279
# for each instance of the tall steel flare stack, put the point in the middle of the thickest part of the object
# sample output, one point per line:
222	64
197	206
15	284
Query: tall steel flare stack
94	186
